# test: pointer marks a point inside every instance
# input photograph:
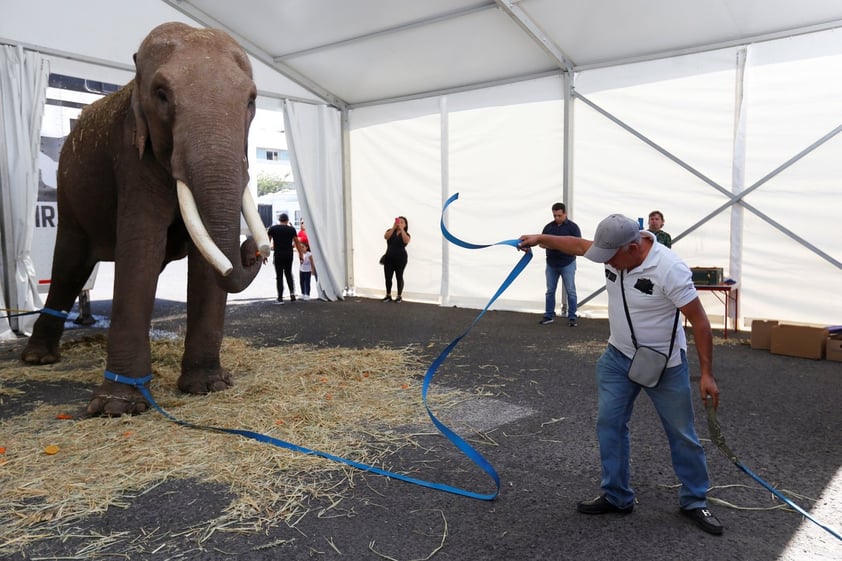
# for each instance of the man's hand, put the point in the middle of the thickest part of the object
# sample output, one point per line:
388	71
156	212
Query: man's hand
527	241
709	390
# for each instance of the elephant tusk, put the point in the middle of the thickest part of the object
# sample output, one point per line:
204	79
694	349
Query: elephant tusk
198	233
255	224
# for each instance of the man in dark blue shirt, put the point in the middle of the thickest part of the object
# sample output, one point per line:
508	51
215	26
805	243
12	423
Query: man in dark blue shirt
560	265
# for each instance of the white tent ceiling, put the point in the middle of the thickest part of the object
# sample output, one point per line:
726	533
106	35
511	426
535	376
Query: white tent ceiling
360	52
365	51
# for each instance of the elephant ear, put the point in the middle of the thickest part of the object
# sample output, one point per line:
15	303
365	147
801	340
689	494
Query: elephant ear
141	130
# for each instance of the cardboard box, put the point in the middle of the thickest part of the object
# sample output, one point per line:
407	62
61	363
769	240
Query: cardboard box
799	340
761	333
707	275
833	349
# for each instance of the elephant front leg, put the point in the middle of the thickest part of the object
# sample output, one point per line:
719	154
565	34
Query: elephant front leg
140	250
201	371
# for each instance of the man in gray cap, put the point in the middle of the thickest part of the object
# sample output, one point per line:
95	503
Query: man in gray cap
646	283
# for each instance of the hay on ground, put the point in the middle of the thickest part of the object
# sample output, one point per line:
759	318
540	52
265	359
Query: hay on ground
341	401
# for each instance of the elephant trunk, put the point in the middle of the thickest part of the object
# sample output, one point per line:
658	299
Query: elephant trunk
236	269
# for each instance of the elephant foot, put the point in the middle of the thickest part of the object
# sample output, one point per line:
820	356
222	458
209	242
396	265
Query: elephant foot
40	352
204	381
112	399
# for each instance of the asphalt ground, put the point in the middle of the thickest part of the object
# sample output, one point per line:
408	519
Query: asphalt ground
780	415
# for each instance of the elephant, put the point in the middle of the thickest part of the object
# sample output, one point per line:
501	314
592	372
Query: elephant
151	173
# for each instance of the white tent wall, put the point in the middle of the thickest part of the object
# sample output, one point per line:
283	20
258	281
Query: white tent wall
23	85
313	131
681	161
503	158
795	98
395	171
506	163
682	112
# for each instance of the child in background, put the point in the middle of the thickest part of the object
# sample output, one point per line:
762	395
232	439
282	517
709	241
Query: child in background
305	271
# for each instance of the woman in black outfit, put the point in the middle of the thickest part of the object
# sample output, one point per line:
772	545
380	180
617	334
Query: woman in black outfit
394	261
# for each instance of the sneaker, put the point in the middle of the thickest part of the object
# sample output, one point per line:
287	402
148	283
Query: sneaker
387	298
292	298
546	321
572	323
600	505
704	519
398	299
279	301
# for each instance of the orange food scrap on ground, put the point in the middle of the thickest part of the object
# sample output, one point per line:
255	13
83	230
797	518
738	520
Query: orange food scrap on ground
279	421
2	449
64	416
404	386
51	449
128	433
365	374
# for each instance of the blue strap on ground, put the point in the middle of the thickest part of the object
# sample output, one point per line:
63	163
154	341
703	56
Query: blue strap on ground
716	435
459	442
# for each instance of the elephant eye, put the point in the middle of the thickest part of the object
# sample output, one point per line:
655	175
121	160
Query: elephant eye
161	94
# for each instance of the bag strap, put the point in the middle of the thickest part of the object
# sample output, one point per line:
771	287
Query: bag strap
628	318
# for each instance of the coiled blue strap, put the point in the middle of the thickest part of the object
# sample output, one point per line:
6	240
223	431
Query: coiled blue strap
459	442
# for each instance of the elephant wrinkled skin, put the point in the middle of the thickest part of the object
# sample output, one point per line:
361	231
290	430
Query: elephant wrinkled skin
183	119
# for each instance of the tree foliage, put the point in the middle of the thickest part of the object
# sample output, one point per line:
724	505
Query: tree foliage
273	182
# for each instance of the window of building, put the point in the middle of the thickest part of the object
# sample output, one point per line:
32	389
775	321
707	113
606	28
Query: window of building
273	154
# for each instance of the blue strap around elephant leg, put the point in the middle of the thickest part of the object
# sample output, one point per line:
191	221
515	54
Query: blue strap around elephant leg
55	313
135	382
13	313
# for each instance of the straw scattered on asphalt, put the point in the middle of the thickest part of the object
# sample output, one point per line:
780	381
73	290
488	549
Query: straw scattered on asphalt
361	404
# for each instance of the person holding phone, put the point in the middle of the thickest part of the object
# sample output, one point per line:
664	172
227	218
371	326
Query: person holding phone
394	261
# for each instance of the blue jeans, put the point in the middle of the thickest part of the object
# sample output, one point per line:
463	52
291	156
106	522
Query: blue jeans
673	400
568	278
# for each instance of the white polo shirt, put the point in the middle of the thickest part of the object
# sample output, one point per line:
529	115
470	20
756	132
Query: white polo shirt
662	283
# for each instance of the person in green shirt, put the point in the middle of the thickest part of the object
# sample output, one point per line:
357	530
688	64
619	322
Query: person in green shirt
656	222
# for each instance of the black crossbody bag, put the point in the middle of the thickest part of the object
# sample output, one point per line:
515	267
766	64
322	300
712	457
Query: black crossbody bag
648	364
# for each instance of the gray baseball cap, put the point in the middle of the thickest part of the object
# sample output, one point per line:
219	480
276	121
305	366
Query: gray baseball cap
613	232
